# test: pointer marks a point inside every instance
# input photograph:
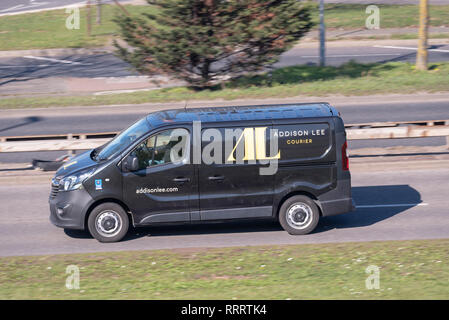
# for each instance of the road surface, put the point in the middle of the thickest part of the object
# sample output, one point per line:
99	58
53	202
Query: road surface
38	122
19	70
34	122
393	205
362	53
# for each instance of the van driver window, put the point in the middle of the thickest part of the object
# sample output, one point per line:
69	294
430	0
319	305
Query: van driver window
156	149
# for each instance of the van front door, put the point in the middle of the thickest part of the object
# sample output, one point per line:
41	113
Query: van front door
164	188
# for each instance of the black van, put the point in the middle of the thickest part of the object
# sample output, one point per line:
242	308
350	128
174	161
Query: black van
286	162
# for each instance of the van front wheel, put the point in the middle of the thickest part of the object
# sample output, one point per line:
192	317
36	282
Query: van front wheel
108	222
299	215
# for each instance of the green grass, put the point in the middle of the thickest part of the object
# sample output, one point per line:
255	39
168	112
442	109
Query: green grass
349	79
47	29
408	270
353	16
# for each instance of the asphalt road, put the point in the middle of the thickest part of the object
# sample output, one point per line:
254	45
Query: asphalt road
21	69
336	56
73	66
88	122
111	121
393	205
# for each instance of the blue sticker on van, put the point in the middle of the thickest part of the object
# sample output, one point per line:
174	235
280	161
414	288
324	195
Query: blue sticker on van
98	184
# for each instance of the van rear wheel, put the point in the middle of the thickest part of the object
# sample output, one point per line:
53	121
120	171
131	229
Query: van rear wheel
299	215
108	222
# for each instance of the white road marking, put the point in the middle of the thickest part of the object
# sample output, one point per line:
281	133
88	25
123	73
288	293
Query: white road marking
32	66
102	93
392	205
75	5
410	48
53	60
12	8
23	6
355	55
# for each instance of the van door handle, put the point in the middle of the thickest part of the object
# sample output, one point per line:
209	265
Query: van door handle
181	179
216	178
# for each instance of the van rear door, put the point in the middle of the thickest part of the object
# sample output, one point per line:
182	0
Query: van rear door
308	156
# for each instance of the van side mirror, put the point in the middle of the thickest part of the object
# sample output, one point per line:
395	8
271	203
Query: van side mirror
131	163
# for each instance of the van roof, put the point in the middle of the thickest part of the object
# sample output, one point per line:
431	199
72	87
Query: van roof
242	113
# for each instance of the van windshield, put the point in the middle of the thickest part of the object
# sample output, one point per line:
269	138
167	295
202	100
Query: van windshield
122	141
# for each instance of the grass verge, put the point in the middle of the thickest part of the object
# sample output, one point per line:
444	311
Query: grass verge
353	16
408	270
43	30
349	79
47	29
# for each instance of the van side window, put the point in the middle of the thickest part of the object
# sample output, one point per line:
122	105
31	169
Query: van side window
157	148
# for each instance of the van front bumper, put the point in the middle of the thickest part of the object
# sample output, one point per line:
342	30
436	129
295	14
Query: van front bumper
68	208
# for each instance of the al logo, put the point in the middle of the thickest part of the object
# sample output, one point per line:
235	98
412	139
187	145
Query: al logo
255	145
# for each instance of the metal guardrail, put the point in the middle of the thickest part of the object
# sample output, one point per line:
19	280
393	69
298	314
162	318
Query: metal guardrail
425	123
398	130
360	131
68	136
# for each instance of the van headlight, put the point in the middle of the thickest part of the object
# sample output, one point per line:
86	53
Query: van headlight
75	181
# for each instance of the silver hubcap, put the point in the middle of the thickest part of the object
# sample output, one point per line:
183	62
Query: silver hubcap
108	223
299	215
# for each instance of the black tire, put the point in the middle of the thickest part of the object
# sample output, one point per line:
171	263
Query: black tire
299	215
114	221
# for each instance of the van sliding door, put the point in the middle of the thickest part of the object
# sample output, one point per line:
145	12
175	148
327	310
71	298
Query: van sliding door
228	189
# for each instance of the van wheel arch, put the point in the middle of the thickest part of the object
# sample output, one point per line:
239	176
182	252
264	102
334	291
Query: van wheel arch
98	202
298	193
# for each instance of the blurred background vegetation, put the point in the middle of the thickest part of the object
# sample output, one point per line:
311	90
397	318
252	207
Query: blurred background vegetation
47	29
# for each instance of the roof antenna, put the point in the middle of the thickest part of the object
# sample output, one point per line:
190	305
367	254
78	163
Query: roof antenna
185	105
